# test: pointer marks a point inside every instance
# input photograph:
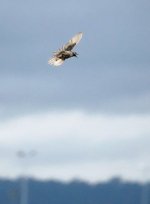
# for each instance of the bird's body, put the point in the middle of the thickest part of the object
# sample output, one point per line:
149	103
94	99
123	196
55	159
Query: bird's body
66	52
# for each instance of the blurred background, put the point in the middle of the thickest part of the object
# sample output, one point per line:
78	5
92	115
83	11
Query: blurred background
88	119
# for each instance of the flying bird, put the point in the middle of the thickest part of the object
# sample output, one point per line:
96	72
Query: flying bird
66	51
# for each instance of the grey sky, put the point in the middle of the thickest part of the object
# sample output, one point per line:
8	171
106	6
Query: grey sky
113	64
110	77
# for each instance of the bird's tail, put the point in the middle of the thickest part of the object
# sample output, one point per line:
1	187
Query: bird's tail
55	61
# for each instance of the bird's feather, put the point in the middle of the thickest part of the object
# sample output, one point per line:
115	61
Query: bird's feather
74	41
65	52
55	61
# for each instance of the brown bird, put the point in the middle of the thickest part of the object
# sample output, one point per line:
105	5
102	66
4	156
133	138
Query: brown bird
66	51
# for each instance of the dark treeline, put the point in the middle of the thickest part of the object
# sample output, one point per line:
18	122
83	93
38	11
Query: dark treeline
114	191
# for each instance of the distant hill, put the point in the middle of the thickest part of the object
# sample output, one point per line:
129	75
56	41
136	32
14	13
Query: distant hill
114	191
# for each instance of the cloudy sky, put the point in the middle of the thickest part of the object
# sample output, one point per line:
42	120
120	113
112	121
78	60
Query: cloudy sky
89	118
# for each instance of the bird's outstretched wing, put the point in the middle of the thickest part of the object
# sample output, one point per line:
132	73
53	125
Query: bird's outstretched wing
55	61
74	41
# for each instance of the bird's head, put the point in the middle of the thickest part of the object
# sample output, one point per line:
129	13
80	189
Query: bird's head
75	54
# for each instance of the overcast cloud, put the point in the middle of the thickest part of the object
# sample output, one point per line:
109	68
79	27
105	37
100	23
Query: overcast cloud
90	112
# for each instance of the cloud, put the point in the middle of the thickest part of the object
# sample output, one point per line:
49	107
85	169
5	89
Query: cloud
100	101
74	139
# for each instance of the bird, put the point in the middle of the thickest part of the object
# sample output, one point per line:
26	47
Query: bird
65	52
